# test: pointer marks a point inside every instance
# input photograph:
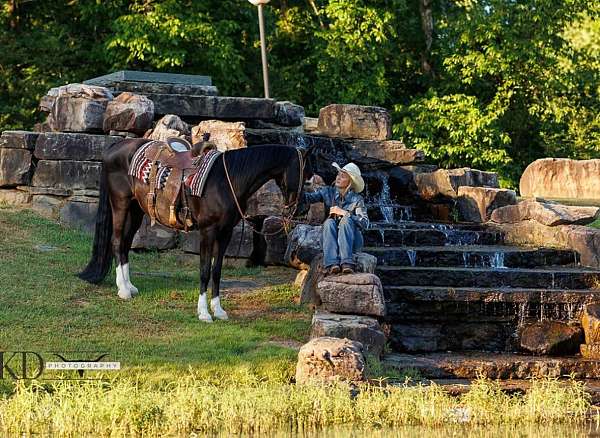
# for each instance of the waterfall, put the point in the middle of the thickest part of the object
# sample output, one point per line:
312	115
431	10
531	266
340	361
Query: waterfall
412	256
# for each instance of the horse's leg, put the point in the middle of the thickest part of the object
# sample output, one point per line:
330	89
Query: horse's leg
133	221
207	239
220	248
120	212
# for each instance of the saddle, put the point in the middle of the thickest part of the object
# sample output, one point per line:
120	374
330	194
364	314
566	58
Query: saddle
172	161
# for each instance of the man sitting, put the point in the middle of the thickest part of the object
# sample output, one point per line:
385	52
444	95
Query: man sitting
347	217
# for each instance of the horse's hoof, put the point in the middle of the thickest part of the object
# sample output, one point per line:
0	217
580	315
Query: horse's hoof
204	317
125	294
134	290
222	316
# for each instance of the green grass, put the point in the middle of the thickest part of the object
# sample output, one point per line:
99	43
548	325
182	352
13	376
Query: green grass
595	224
183	377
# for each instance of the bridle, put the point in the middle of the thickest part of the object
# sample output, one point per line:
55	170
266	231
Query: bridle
286	221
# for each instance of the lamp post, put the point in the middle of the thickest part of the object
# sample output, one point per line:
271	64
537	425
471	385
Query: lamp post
263	46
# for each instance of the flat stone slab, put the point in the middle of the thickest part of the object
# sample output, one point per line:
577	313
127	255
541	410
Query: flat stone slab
445	182
67	174
392	151
476	204
15	167
356	294
355	121
140	87
80	215
18	140
14	197
147	76
556	178
72	146
493	366
550	214
213	107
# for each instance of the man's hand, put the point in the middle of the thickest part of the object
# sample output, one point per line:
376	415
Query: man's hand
338	211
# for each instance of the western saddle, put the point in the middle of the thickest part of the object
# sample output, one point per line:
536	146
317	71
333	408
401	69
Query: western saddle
169	204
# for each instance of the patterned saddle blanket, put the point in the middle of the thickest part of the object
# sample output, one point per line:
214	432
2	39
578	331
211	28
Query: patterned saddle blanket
172	174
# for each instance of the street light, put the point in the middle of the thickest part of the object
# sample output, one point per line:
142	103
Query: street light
263	46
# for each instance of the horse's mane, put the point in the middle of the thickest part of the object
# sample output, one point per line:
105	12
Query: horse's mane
244	163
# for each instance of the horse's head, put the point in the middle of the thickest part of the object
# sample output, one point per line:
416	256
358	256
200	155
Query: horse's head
291	181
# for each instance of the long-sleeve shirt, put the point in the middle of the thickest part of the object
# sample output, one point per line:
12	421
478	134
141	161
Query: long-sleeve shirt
352	202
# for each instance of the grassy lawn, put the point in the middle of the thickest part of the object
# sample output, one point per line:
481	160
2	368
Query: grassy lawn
180	377
45	307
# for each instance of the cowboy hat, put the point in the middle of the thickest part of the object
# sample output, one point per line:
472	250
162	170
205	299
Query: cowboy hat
358	184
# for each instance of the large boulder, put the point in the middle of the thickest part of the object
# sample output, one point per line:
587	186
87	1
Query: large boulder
266	201
445	182
18	140
392	151
590	321
355	121
130	113
241	244
72	146
590	351
551	338
226	135
157	237
15	167
169	126
15	197
561	178
67	174
476	204
304	244
357	294
546	213
76	107
363	329
275	239
288	114
330	359
79	212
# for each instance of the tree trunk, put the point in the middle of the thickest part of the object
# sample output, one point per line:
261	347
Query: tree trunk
425	10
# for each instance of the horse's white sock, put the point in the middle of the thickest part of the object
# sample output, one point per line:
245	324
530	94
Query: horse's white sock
132	288
124	291
203	314
215	304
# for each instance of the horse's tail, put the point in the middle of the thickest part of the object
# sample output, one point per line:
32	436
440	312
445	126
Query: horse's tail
102	253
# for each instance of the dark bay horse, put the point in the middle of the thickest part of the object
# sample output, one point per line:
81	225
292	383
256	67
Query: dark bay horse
123	204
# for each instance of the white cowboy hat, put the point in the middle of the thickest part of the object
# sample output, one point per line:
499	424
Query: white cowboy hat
358	184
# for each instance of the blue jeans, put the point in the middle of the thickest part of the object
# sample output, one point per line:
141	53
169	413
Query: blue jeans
341	238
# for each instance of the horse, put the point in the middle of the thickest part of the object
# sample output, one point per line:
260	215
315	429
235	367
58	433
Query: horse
229	184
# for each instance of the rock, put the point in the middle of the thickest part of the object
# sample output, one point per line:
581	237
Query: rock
357	294
363	262
329	359
213	107
445	183
393	151
355	121
288	114
304	244
67	174
78	214
266	201
15	167
169	126
582	239
76	107
72	146
476	204
551	338
130	113
300	278
590	321
145	88
590	351
157	237
14	197
226	135
561	178
276	241
316	212
363	329
311	125
18	140
47	206
190	242
550	214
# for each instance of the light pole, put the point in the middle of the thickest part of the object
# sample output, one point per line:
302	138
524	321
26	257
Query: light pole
263	46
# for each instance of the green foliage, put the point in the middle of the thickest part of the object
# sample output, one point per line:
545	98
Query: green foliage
509	82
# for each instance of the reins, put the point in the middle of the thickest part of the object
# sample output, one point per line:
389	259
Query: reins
287	221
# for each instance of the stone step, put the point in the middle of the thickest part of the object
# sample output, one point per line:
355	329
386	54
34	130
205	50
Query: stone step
472	256
492	366
413	237
418	225
554	278
389	214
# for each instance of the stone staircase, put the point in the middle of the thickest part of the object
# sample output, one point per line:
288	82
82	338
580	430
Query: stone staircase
457	288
